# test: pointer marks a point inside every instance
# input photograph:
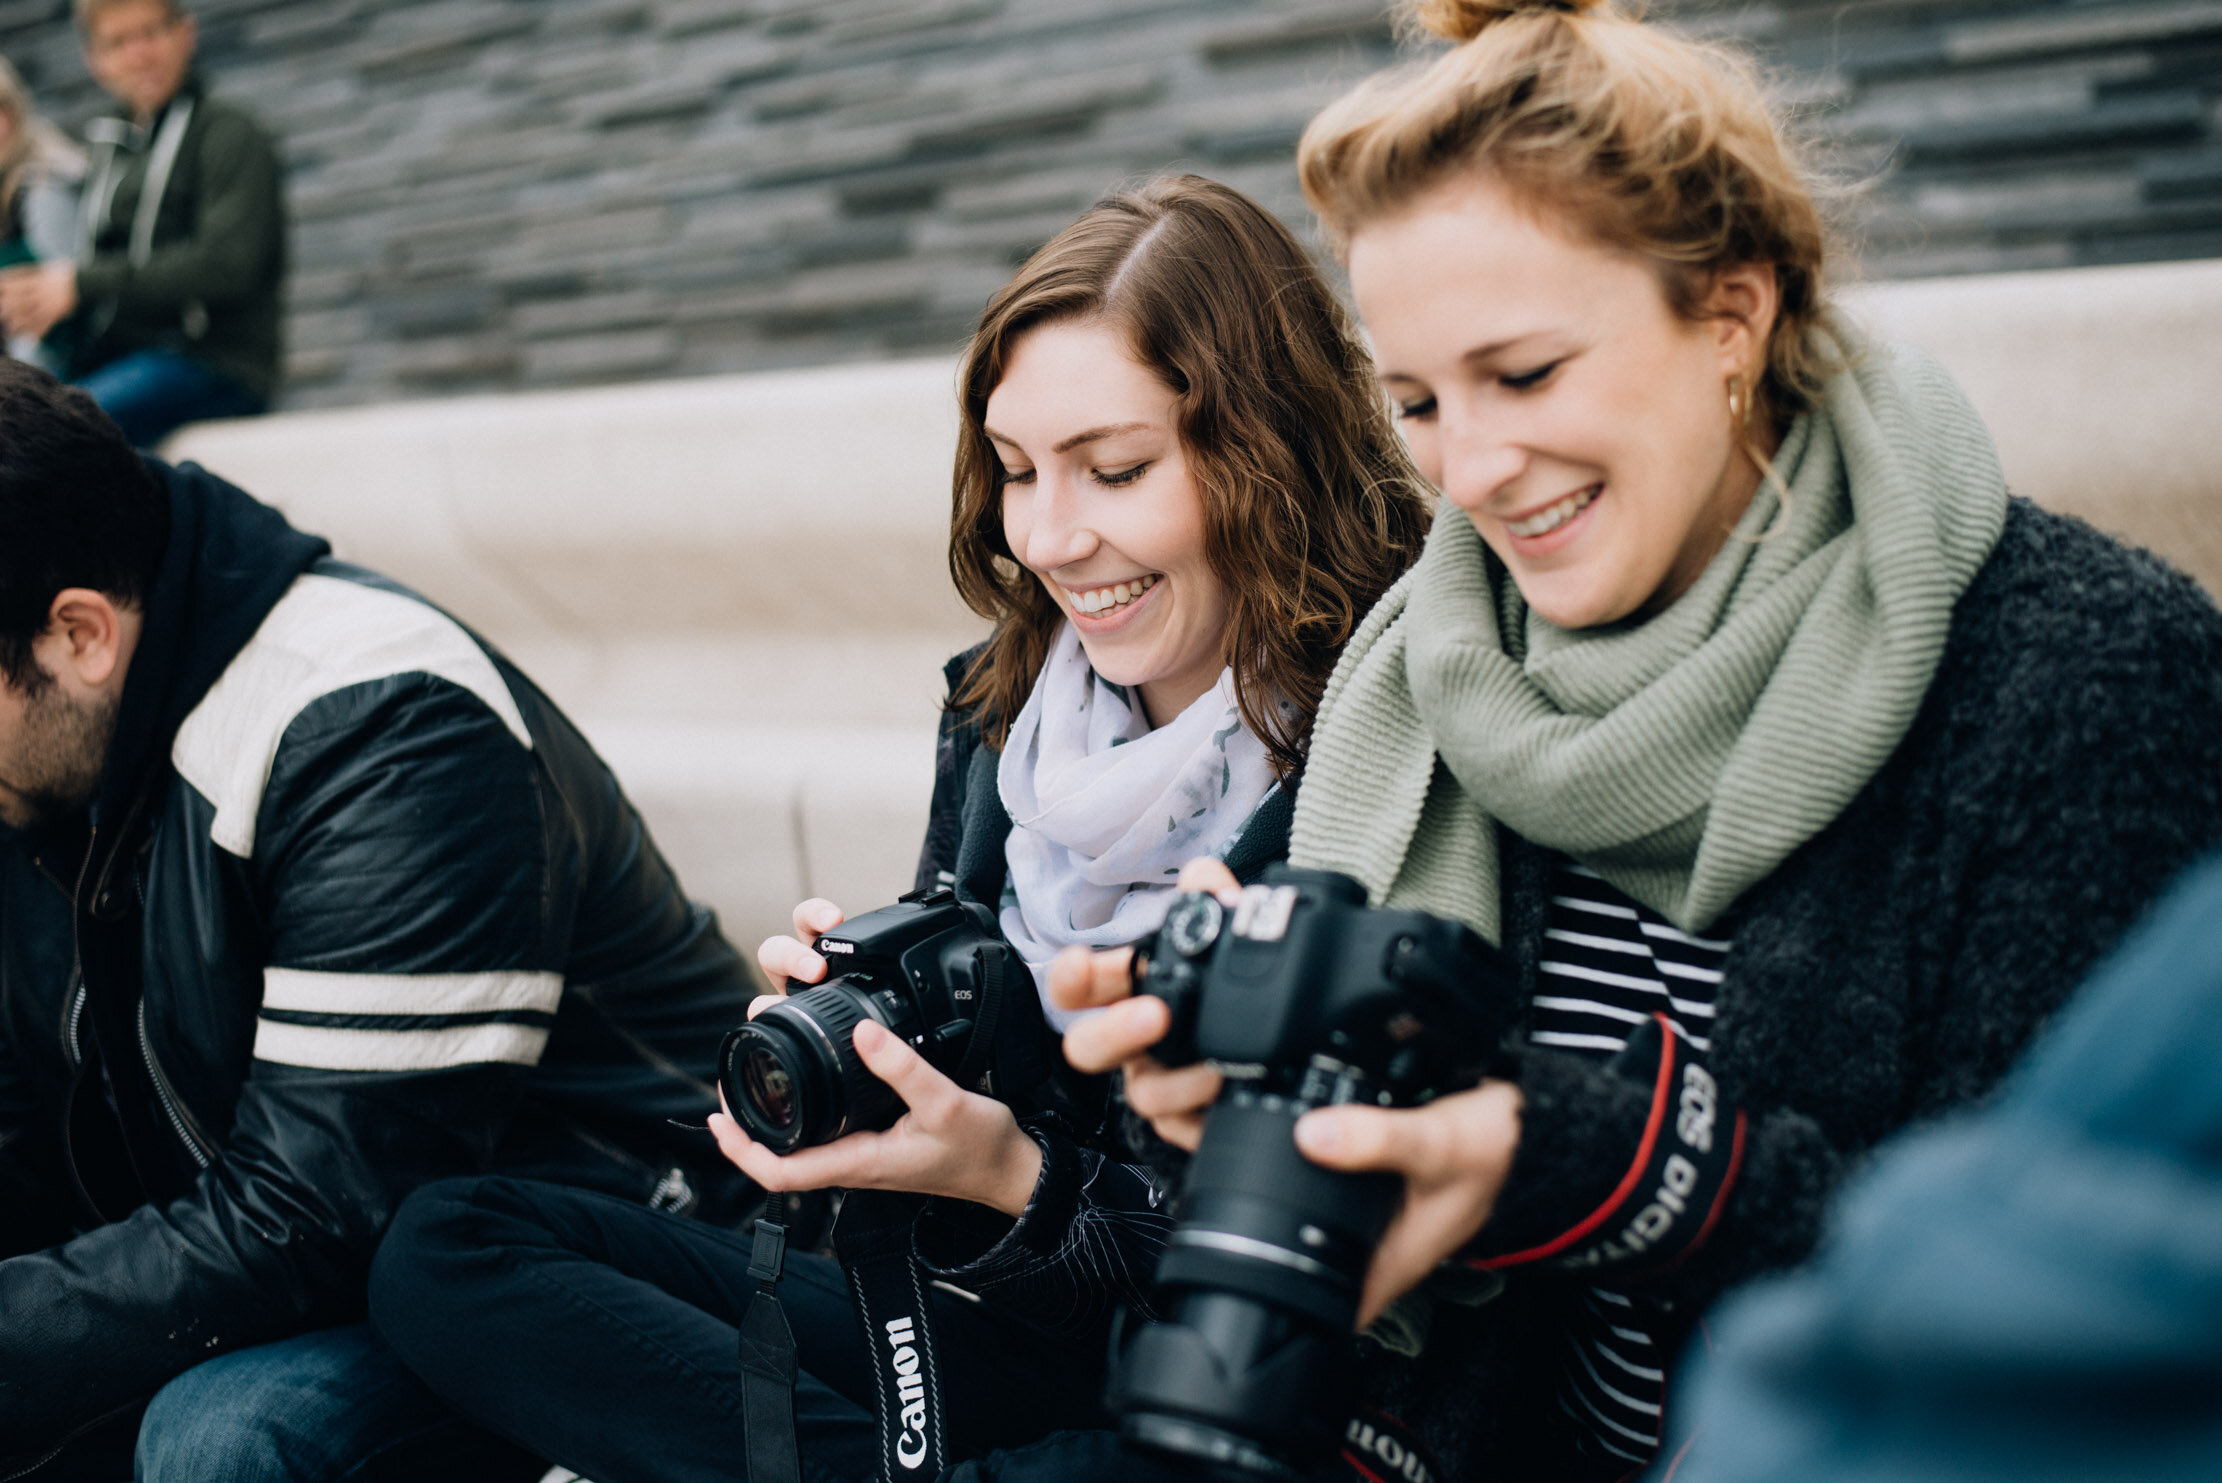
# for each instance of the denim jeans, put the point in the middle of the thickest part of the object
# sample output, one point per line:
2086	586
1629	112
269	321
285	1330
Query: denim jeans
602	1335
152	393
319	1408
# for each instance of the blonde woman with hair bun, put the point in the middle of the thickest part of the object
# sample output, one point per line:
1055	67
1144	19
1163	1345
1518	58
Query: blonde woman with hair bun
1800	769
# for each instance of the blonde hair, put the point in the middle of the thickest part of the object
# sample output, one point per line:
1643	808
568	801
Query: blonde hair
36	145
1650	141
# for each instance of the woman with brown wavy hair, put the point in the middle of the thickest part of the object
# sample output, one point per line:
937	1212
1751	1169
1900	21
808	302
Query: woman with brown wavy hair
1177	490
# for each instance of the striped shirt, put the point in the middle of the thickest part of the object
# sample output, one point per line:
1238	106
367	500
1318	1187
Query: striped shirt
1608	965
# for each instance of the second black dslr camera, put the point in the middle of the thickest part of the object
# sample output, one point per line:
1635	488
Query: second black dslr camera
1304	996
931	968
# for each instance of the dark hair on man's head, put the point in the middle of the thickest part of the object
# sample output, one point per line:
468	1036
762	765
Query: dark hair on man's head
77	509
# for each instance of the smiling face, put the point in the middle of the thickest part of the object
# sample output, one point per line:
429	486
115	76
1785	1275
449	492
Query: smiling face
1550	391
1099	503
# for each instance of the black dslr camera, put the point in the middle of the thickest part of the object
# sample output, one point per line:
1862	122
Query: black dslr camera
1304	996
930	968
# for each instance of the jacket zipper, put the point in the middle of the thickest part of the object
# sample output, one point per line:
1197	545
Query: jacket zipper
73	1016
179	1120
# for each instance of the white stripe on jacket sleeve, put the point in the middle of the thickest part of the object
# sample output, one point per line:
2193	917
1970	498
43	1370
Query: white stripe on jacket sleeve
416	1004
328	1049
409	993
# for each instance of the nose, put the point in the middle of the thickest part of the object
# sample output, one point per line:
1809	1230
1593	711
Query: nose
1479	456
1056	536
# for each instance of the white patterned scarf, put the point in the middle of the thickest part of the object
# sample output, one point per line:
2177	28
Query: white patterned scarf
1105	811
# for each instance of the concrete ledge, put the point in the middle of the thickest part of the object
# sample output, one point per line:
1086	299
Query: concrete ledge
2100	385
738	586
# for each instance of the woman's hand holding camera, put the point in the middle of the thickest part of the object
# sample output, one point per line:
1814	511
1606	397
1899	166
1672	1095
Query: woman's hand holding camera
1453	1153
1174	1099
950	1142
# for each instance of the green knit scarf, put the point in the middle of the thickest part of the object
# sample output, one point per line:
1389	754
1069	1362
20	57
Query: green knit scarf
1685	757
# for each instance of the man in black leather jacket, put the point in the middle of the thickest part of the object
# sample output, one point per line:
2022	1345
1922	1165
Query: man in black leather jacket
306	897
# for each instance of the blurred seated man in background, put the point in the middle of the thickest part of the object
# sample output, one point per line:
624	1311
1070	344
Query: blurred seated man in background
306	898
173	306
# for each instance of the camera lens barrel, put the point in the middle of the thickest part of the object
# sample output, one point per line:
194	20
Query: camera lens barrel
792	1075
1263	1220
1251	1367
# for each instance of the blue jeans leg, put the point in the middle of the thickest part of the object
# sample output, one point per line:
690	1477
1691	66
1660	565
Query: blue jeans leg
152	393
319	1408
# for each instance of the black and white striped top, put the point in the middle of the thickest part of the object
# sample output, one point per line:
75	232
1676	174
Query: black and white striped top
1608	965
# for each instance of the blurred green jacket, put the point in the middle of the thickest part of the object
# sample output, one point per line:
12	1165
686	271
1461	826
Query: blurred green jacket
203	274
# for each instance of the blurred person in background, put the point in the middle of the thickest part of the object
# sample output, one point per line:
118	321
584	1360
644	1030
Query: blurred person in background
2031	1294
173	307
1176	490
40	171
1800	770
306	898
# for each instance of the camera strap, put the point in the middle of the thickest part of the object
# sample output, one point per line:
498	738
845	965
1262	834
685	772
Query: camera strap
873	1239
1378	1447
974	1072
1678	1183
768	1366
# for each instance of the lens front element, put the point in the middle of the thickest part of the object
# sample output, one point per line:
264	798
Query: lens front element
768	1089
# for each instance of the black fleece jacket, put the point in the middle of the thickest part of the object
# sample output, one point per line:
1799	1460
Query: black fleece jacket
2066	764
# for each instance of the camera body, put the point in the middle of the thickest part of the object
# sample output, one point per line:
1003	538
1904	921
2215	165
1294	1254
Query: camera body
1304	997
928	968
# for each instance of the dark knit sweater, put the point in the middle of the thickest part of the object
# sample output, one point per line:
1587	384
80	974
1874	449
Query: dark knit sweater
2066	765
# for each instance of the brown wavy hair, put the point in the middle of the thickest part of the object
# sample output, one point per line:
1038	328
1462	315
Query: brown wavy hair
1311	507
1654	142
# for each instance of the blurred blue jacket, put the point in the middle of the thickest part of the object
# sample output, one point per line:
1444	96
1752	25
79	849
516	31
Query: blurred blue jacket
2032	1292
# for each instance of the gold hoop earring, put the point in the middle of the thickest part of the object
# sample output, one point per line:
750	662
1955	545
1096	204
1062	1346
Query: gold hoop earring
1741	404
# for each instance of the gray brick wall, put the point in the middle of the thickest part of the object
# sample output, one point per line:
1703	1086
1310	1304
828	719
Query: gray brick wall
511	193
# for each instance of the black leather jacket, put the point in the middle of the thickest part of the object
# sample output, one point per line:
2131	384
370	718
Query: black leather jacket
356	908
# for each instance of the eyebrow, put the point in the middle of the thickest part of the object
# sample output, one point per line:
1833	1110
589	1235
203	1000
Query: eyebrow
1475	356
1092	435
1497	347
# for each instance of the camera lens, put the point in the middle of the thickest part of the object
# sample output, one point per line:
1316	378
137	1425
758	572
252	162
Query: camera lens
792	1076
1249	1372
769	1089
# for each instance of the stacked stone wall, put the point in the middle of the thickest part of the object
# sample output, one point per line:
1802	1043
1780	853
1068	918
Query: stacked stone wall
494	194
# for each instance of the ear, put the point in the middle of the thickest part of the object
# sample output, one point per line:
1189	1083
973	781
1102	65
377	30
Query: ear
87	640
192	31
1741	307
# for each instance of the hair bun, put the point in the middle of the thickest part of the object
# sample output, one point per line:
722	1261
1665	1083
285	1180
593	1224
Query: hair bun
1463	20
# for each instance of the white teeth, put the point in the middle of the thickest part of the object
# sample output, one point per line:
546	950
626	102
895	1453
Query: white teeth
1546	520
1117	595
